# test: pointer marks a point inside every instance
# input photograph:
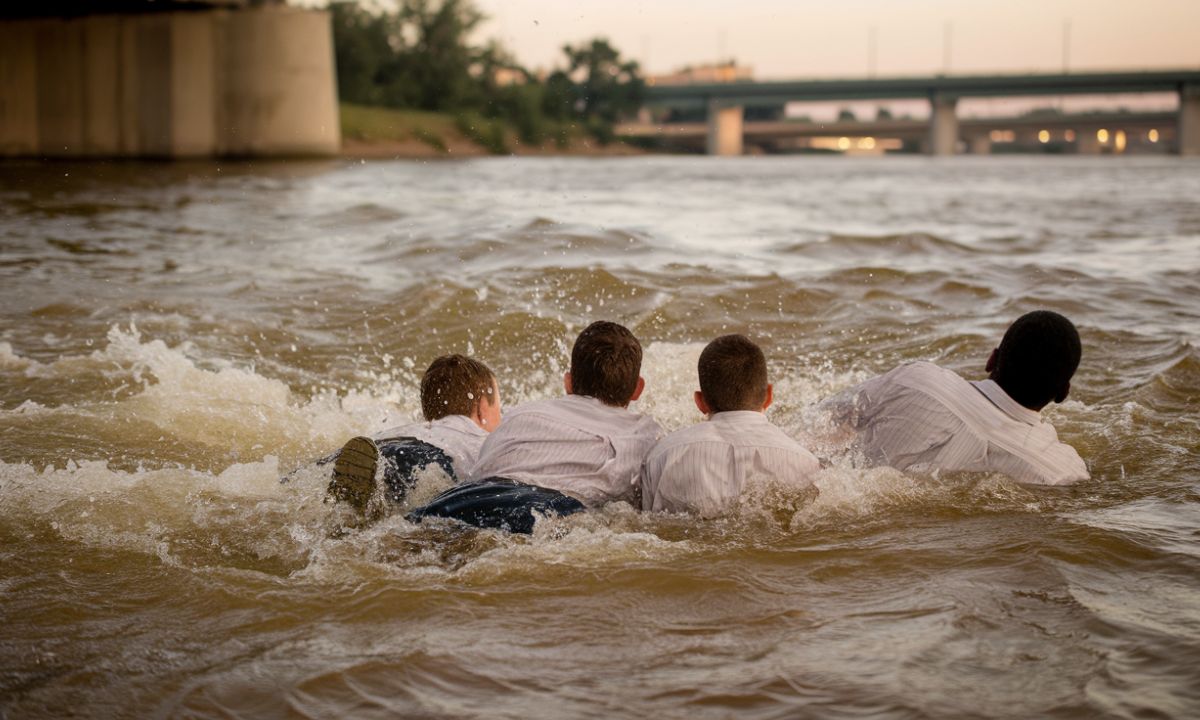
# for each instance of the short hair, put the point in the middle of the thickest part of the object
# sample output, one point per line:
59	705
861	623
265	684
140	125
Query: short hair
455	385
606	362
733	374
1037	357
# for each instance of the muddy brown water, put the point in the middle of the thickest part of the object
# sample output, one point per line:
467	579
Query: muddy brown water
176	337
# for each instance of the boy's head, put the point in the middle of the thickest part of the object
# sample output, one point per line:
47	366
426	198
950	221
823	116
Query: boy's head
1036	359
459	385
733	376
606	364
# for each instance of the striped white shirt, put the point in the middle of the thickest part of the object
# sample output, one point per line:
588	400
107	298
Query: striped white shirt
456	435
574	444
704	469
922	417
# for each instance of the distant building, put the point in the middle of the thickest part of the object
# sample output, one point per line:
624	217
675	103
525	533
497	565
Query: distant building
726	72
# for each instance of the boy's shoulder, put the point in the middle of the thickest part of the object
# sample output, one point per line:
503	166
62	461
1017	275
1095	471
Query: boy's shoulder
736	429
584	413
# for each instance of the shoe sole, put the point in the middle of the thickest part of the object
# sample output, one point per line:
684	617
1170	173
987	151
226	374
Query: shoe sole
354	474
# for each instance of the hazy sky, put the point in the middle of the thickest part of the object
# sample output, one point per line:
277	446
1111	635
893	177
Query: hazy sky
825	38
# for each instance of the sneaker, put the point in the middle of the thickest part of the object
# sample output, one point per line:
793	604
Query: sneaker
354	474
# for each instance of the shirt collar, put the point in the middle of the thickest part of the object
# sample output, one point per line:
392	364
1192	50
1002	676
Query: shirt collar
462	423
594	405
739	417
1001	399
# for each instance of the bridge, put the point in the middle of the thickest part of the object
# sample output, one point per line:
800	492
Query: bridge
1087	133
725	102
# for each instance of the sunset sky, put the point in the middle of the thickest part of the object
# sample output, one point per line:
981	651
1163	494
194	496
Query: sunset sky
818	38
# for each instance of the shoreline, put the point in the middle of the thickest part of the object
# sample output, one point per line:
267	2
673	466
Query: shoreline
413	149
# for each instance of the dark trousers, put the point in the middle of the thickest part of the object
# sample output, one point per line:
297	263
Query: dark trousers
402	458
498	503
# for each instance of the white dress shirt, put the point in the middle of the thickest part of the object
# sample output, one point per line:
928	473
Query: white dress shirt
456	435
574	444
923	417
704	468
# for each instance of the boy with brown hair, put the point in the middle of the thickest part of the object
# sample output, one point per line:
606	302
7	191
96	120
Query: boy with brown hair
585	448
460	401
704	468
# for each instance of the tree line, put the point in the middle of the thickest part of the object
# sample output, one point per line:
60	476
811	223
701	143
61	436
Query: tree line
418	55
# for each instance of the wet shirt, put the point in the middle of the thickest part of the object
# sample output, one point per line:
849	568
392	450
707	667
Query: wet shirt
923	417
456	435
705	468
574	444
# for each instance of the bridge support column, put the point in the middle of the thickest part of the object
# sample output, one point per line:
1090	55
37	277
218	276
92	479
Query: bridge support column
943	125
18	90
1086	143
248	82
1189	120
724	129
59	87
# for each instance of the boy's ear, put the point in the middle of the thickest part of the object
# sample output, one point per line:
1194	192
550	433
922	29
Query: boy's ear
770	396
637	391
567	382
701	403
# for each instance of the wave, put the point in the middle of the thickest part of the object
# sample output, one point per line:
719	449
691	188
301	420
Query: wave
243	519
161	402
898	245
359	216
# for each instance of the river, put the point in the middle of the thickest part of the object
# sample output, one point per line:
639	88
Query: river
175	337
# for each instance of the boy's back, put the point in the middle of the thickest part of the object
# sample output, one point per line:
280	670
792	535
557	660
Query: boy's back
922	417
455	435
575	444
555	455
705	468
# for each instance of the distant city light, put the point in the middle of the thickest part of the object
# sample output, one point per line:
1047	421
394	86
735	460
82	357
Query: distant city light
1002	136
1120	141
1152	136
867	143
1069	136
1044	136
844	143
1102	135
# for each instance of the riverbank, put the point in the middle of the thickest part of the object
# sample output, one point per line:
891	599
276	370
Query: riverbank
375	133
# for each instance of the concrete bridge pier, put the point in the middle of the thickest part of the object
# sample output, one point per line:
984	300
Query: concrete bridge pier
980	145
724	129
1189	120
1086	143
188	83
943	124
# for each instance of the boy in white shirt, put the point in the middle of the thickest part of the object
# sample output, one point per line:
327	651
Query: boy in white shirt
705	468
583	449
460	401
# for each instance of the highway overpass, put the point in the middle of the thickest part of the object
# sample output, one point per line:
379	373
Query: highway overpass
725	102
1085	133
